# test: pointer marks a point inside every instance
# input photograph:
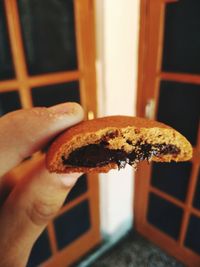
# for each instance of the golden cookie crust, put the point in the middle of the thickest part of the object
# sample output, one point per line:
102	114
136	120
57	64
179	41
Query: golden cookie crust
125	128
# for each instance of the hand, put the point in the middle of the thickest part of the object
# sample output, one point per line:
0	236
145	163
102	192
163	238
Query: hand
35	199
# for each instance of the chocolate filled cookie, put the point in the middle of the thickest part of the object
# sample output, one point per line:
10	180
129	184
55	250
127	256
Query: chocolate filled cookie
112	142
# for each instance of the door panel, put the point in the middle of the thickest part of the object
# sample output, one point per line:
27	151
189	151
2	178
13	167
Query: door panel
78	190
181	37
53	50
7	67
172	178
38	253
55	27
57	93
9	101
166	194
71	225
160	212
192	240
178	106
196	200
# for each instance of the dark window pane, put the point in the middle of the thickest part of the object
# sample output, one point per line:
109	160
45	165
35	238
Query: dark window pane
172	178
9	101
79	188
49	35
164	215
181	51
193	233
179	107
196	202
72	224
6	66
41	250
55	94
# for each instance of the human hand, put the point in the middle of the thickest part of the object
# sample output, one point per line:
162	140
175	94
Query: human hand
35	198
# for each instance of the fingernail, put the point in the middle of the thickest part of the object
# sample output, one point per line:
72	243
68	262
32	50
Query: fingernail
65	108
69	180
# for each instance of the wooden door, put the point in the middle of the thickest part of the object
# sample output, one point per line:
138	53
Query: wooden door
167	196
47	55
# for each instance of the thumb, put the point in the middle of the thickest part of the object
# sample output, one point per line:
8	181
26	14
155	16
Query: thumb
33	202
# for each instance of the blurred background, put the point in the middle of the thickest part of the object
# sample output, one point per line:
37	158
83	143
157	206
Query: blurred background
128	57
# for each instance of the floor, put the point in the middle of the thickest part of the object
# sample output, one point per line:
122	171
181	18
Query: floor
135	251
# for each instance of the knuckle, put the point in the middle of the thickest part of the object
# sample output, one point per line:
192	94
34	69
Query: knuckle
40	213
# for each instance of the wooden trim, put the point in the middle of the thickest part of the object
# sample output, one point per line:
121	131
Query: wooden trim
196	151
8	85
183	228
87	241
158	57
53	78
93	182
142	58
186	206
149	77
150	52
189	203
52	237
198	142
41	80
72	204
68	255
84	17
18	51
183	254
15	38
153	14
180	77
169	198
140	195
195	211
84	23
170	1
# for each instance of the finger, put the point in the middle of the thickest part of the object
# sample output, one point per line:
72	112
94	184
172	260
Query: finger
25	131
33	202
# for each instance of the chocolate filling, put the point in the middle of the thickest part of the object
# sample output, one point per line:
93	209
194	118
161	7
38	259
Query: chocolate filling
97	155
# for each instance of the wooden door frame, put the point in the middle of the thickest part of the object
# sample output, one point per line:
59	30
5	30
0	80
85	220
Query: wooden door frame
85	74
152	17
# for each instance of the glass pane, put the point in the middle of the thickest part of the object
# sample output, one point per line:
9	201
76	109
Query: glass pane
79	189
193	233
179	107
172	178
41	250
164	215
9	101
196	202
49	35
72	224
6	66
55	94
181	51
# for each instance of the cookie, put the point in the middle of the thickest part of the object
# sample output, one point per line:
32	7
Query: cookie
112	142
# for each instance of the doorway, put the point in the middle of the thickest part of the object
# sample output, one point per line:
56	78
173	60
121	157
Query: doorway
47	52
167	196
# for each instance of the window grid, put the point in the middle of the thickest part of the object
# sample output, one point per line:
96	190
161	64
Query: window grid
150	57
24	83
